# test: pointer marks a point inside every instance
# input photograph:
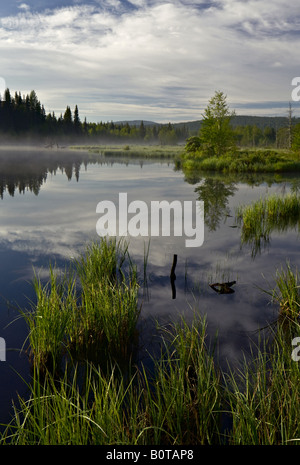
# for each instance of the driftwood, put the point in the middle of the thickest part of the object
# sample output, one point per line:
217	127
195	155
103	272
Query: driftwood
223	288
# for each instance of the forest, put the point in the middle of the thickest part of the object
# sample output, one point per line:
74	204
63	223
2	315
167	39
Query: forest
24	117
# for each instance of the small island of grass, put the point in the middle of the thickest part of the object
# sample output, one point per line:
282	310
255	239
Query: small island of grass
215	148
241	161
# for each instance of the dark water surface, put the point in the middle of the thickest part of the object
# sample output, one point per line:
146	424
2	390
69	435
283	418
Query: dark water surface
48	213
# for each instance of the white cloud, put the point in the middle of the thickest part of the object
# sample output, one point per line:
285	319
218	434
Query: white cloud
24	6
161	60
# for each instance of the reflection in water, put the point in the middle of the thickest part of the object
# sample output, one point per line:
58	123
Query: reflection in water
61	217
28	170
215	194
215	190
22	170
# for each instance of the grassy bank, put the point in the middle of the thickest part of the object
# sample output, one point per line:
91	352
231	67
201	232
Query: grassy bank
133	151
240	161
85	388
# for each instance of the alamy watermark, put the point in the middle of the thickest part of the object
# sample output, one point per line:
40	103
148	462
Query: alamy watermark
161	218
296	91
2	350
296	352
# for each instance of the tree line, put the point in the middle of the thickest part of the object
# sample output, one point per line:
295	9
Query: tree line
25	116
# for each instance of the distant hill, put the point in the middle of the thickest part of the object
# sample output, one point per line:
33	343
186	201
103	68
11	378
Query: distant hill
137	123
261	122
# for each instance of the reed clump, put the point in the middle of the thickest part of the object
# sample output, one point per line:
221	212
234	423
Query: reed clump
177	403
92	307
272	213
184	398
287	292
264	394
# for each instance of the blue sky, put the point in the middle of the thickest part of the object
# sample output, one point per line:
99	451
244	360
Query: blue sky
151	59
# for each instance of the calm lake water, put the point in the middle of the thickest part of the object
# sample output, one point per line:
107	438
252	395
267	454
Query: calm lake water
48	213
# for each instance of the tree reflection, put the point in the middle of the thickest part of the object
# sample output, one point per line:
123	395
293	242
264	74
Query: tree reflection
215	194
26	170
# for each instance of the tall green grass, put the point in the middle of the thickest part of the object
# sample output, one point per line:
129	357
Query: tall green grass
180	403
264	395
104	410
92	308
49	320
272	213
286	292
182	400
177	404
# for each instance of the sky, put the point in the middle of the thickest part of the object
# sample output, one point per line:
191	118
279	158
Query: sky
151	60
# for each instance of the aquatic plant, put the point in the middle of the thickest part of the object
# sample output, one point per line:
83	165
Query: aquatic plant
49	318
263	395
272	213
177	404
92	307
287	291
183	400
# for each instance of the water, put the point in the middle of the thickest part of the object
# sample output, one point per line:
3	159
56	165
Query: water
48	213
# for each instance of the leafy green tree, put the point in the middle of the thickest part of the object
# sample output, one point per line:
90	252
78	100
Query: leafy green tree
193	144
216	133
167	135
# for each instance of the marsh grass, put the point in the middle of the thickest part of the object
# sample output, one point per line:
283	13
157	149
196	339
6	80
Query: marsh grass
176	404
180	402
287	292
49	318
264	395
92	308
262	217
242	161
99	410
183	401
134	151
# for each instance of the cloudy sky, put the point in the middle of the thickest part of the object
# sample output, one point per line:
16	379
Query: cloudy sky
154	60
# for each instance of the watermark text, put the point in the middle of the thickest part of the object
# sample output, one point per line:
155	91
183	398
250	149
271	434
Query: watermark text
296	351
296	91
162	218
2	350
